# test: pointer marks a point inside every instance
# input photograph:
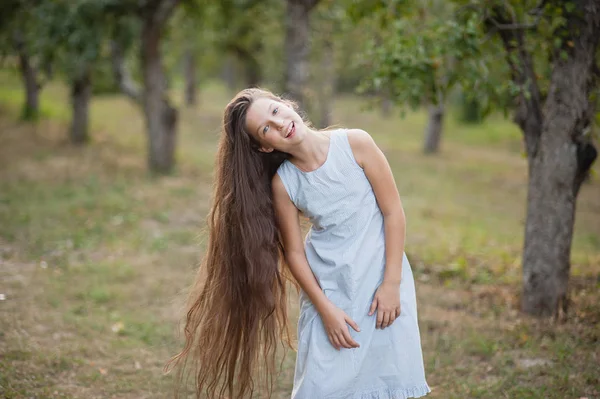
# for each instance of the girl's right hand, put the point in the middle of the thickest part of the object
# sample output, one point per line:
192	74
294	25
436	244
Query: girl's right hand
336	323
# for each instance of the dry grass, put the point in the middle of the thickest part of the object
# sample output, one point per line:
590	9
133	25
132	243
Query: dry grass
95	256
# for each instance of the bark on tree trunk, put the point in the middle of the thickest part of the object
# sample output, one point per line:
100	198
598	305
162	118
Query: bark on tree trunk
297	48
189	70
328	83
557	164
161	117
31	108
433	131
81	93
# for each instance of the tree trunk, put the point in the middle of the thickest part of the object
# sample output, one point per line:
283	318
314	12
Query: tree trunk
253	72
161	117
297	48
556	169
31	108
250	64
189	71
327	87
386	104
433	132
228	73
122	76
81	92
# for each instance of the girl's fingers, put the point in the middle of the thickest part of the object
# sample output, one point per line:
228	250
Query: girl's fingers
386	320
373	307
346	339
379	319
342	339
334	341
350	340
353	324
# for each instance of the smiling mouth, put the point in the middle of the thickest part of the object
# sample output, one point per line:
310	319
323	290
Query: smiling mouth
291	130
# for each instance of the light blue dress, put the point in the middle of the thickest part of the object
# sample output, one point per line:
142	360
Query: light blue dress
346	251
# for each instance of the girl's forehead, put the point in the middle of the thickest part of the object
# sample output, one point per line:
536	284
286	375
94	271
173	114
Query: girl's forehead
260	104
258	113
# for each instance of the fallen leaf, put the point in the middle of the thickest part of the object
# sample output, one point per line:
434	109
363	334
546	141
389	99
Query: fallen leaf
523	338
102	371
117	327
528	363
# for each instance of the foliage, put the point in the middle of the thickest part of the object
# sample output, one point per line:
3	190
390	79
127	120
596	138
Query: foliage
73	32
252	31
422	50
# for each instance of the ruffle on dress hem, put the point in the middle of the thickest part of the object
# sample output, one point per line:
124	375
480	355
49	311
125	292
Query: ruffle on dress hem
402	393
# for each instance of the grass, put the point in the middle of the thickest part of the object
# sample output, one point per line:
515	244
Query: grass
96	254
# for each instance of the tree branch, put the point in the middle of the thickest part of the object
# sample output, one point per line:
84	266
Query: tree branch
164	10
121	74
528	113
539	9
515	26
508	23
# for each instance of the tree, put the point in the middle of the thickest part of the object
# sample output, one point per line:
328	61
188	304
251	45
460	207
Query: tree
190	35
73	33
160	116
297	48
247	42
549	50
418	56
19	21
554	122
330	27
189	73
241	38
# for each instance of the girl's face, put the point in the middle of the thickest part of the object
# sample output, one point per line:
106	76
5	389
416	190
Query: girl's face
274	125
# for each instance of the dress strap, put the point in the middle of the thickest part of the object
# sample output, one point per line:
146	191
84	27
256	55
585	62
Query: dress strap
345	153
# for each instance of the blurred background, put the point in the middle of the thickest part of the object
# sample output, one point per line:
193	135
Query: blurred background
110	112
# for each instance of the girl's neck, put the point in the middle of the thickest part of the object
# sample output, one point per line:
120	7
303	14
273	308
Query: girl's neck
312	152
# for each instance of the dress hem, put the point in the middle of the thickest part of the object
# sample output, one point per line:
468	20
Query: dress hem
400	393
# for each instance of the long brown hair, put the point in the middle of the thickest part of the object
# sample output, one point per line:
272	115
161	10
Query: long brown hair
237	308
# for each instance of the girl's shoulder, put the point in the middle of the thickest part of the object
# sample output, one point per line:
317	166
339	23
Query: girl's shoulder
361	143
357	136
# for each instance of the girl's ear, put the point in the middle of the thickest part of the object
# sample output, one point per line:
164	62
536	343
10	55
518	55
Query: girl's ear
265	149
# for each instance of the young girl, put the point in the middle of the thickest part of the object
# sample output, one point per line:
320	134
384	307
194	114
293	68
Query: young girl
358	336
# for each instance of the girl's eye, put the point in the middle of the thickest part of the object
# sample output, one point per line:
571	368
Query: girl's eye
275	110
265	129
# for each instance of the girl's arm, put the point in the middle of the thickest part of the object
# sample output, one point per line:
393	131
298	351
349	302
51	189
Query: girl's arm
379	174
288	221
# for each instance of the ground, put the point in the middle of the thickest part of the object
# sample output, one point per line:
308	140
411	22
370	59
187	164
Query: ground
96	255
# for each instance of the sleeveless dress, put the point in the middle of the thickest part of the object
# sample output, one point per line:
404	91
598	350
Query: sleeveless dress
345	248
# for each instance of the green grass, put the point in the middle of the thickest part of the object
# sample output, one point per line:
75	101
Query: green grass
96	254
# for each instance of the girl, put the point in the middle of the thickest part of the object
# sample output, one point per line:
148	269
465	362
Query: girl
358	336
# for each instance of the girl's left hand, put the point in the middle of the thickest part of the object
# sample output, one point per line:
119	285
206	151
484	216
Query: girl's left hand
387	304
